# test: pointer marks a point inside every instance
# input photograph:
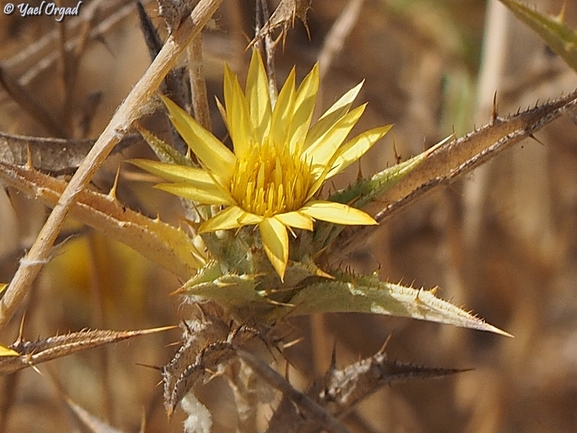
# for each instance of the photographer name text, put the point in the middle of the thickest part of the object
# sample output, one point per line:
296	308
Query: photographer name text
45	8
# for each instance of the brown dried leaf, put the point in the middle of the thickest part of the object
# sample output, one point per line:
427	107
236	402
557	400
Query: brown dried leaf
284	16
460	156
209	343
32	353
309	407
183	370
53	155
162	243
345	388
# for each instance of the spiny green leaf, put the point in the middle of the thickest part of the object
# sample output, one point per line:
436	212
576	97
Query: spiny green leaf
227	289
362	294
247	293
560	38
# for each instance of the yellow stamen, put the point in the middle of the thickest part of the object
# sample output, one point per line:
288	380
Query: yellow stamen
268	180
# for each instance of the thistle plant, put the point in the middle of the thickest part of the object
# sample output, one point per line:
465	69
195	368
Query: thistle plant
263	233
273	180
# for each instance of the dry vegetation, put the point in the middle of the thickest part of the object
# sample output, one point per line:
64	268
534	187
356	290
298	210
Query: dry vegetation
501	241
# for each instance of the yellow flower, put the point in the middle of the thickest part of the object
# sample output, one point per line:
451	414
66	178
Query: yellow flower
279	161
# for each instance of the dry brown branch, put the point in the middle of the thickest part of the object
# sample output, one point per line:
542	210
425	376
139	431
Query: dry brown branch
307	405
52	155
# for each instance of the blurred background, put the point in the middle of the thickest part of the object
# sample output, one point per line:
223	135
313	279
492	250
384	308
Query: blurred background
502	241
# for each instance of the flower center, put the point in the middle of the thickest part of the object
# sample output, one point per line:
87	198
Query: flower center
269	180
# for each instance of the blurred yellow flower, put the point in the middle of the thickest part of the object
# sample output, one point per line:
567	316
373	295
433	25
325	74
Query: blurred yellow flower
279	161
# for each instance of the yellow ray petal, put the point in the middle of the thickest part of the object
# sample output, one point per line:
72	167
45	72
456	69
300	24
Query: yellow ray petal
6	351
296	220
258	97
357	147
332	115
230	218
276	243
282	113
323	151
303	111
173	172
211	152
336	213
203	193
239	122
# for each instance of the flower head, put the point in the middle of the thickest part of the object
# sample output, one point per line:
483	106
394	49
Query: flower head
278	163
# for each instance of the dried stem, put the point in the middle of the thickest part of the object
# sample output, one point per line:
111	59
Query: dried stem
28	103
128	111
306	404
337	36
41	55
198	84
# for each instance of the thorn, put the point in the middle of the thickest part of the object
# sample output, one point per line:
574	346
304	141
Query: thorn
386	343
397	156
213	374
20	331
112	192
561	16
293	342
154	367
417	298
28	157
333	365
494	114
536	139
169	412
